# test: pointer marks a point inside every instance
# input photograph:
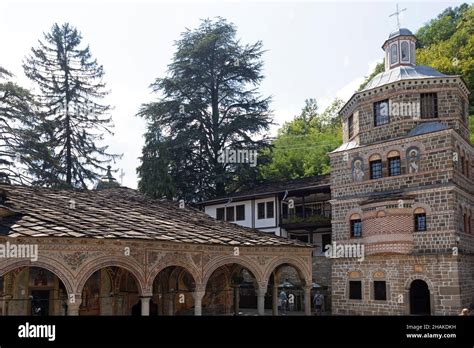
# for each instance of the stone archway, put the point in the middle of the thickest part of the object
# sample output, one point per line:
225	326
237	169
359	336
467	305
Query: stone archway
232	288
228	260
110	290
152	274
47	263
96	264
173	290
289	294
420	298
33	291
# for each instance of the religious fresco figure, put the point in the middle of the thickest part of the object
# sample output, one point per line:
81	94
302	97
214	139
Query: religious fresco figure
358	170
413	160
40	277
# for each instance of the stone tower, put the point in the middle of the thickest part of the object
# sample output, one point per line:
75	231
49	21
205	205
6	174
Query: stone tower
402	187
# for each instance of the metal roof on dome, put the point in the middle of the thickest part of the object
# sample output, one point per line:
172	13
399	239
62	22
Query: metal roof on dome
397	33
400	32
427	127
403	72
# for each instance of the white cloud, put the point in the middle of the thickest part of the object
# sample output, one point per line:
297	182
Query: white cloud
349	88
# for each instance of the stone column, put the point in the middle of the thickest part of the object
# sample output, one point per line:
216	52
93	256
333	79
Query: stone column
236	299
145	301
275	299
261	291
198	294
6	300
73	307
307	299
171	298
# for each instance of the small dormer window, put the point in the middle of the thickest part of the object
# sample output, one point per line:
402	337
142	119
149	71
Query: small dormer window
393	54
404	51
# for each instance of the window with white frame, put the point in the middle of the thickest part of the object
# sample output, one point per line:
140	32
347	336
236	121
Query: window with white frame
412	53
265	210
405	51
393	54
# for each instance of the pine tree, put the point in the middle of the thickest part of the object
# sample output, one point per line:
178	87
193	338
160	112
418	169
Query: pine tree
18	122
155	171
209	102
71	89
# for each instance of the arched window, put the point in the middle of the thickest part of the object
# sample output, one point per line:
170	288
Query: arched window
420	220
356	226
412	53
463	164
394	163
393	54
405	51
375	164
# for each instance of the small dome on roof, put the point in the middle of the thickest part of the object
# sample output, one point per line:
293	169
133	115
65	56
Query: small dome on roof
400	32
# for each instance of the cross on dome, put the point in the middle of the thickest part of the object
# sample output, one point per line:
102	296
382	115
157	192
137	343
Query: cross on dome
397	13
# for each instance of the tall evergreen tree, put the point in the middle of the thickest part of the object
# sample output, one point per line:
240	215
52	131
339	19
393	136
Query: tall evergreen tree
71	91
208	102
154	173
18	122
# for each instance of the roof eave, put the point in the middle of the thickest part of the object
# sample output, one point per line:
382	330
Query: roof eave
255	195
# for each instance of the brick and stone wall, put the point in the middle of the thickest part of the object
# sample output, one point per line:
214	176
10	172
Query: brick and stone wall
437	181
443	273
451	94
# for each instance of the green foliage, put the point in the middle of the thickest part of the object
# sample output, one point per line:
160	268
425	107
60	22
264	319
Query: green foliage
308	219
71	88
471	127
302	145
208	102
155	172
18	121
441	28
455	54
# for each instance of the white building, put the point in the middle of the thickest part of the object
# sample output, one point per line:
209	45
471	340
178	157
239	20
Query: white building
296	209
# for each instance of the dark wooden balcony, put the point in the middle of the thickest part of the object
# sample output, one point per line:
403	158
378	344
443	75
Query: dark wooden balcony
303	217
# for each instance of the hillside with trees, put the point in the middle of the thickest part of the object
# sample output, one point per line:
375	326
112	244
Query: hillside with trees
301	146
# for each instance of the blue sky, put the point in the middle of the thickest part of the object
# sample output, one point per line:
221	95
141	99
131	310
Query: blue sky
314	49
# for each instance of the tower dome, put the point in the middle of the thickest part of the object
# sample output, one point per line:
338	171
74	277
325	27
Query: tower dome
400	49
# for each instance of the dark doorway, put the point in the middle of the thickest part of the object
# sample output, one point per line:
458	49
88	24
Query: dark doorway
137	309
39	302
419	298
